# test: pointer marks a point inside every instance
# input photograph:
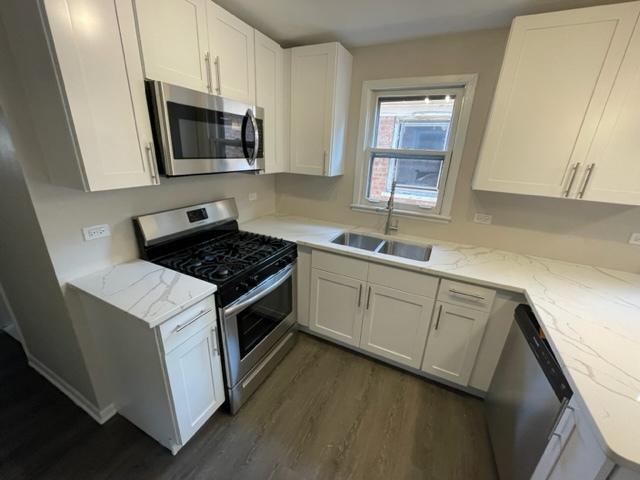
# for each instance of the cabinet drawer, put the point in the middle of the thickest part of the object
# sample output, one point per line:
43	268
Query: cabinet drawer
342	265
403	280
180	327
466	295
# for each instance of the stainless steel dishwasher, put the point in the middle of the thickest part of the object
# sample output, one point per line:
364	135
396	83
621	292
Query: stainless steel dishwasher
527	396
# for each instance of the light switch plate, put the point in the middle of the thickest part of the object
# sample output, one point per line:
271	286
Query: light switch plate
253	196
634	239
96	231
482	218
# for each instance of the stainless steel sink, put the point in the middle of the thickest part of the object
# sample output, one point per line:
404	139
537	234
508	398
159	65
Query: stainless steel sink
406	250
357	240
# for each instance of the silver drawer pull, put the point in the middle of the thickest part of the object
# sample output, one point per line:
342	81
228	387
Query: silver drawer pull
465	294
182	326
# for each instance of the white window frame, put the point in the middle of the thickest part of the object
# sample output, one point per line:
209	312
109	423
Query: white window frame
371	91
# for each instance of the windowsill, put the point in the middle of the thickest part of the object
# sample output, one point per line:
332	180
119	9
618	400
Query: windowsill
430	217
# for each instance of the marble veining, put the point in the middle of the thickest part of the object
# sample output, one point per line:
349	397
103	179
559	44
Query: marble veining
590	315
147	291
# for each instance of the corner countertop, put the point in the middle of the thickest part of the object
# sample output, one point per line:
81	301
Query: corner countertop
144	290
590	315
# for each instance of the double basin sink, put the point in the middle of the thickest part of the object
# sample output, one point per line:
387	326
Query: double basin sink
389	247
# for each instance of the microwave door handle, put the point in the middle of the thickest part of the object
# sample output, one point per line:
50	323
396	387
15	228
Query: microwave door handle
256	136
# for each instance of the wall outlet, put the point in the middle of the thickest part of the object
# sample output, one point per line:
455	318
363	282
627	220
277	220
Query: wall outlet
96	231
482	218
634	239
253	196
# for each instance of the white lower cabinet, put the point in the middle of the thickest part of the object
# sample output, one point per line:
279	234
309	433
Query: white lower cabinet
396	324
454	340
195	379
336	306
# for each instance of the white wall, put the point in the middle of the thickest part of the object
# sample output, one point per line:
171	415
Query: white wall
582	232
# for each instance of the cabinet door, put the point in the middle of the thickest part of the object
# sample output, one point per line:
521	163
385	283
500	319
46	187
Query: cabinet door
454	340
336	306
173	35
556	76
396	324
269	96
101	72
195	379
231	44
313	71
614	158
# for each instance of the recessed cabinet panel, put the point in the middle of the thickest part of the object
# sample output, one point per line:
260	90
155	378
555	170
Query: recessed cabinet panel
195	377
231	43
270	96
396	324
320	87
454	340
173	35
336	306
614	157
556	77
99	63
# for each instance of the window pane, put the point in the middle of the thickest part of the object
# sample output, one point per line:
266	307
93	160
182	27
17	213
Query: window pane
418	179
414	122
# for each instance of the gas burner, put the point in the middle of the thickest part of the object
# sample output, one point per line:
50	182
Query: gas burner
226	256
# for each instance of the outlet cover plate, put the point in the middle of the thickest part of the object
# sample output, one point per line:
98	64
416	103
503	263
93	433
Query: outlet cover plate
483	218
96	231
634	239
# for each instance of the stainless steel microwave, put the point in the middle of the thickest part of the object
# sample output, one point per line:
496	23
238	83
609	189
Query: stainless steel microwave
197	133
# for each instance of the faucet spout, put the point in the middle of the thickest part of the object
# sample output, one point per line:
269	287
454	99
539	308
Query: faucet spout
388	225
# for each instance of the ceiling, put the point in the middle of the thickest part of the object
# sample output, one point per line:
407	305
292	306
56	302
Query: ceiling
366	22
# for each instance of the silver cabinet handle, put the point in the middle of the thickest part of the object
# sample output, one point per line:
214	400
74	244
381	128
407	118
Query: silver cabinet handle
218	84
438	318
214	333
152	162
587	177
360	296
207	61
465	294
368	297
572	177
182	326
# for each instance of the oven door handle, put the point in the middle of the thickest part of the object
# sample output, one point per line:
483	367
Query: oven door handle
262	290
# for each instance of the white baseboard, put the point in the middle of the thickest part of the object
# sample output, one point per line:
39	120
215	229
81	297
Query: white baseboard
100	416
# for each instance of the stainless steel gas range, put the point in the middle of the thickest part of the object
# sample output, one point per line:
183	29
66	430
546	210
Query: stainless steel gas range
255	276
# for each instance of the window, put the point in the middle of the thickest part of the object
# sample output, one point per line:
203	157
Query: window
411	134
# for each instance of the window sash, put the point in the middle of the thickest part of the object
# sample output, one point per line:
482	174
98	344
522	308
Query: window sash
391	153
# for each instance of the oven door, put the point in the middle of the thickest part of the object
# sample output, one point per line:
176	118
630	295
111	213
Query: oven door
201	133
253	324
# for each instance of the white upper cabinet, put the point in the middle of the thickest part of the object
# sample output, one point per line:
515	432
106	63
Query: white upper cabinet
100	70
231	44
612	168
173	36
320	88
558	72
271	96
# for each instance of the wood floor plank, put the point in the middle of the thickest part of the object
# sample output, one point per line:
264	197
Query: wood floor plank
325	413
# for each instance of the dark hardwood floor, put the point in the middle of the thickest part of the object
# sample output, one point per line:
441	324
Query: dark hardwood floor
325	413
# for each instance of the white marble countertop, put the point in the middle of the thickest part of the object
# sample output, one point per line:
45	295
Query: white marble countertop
144	290
590	315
